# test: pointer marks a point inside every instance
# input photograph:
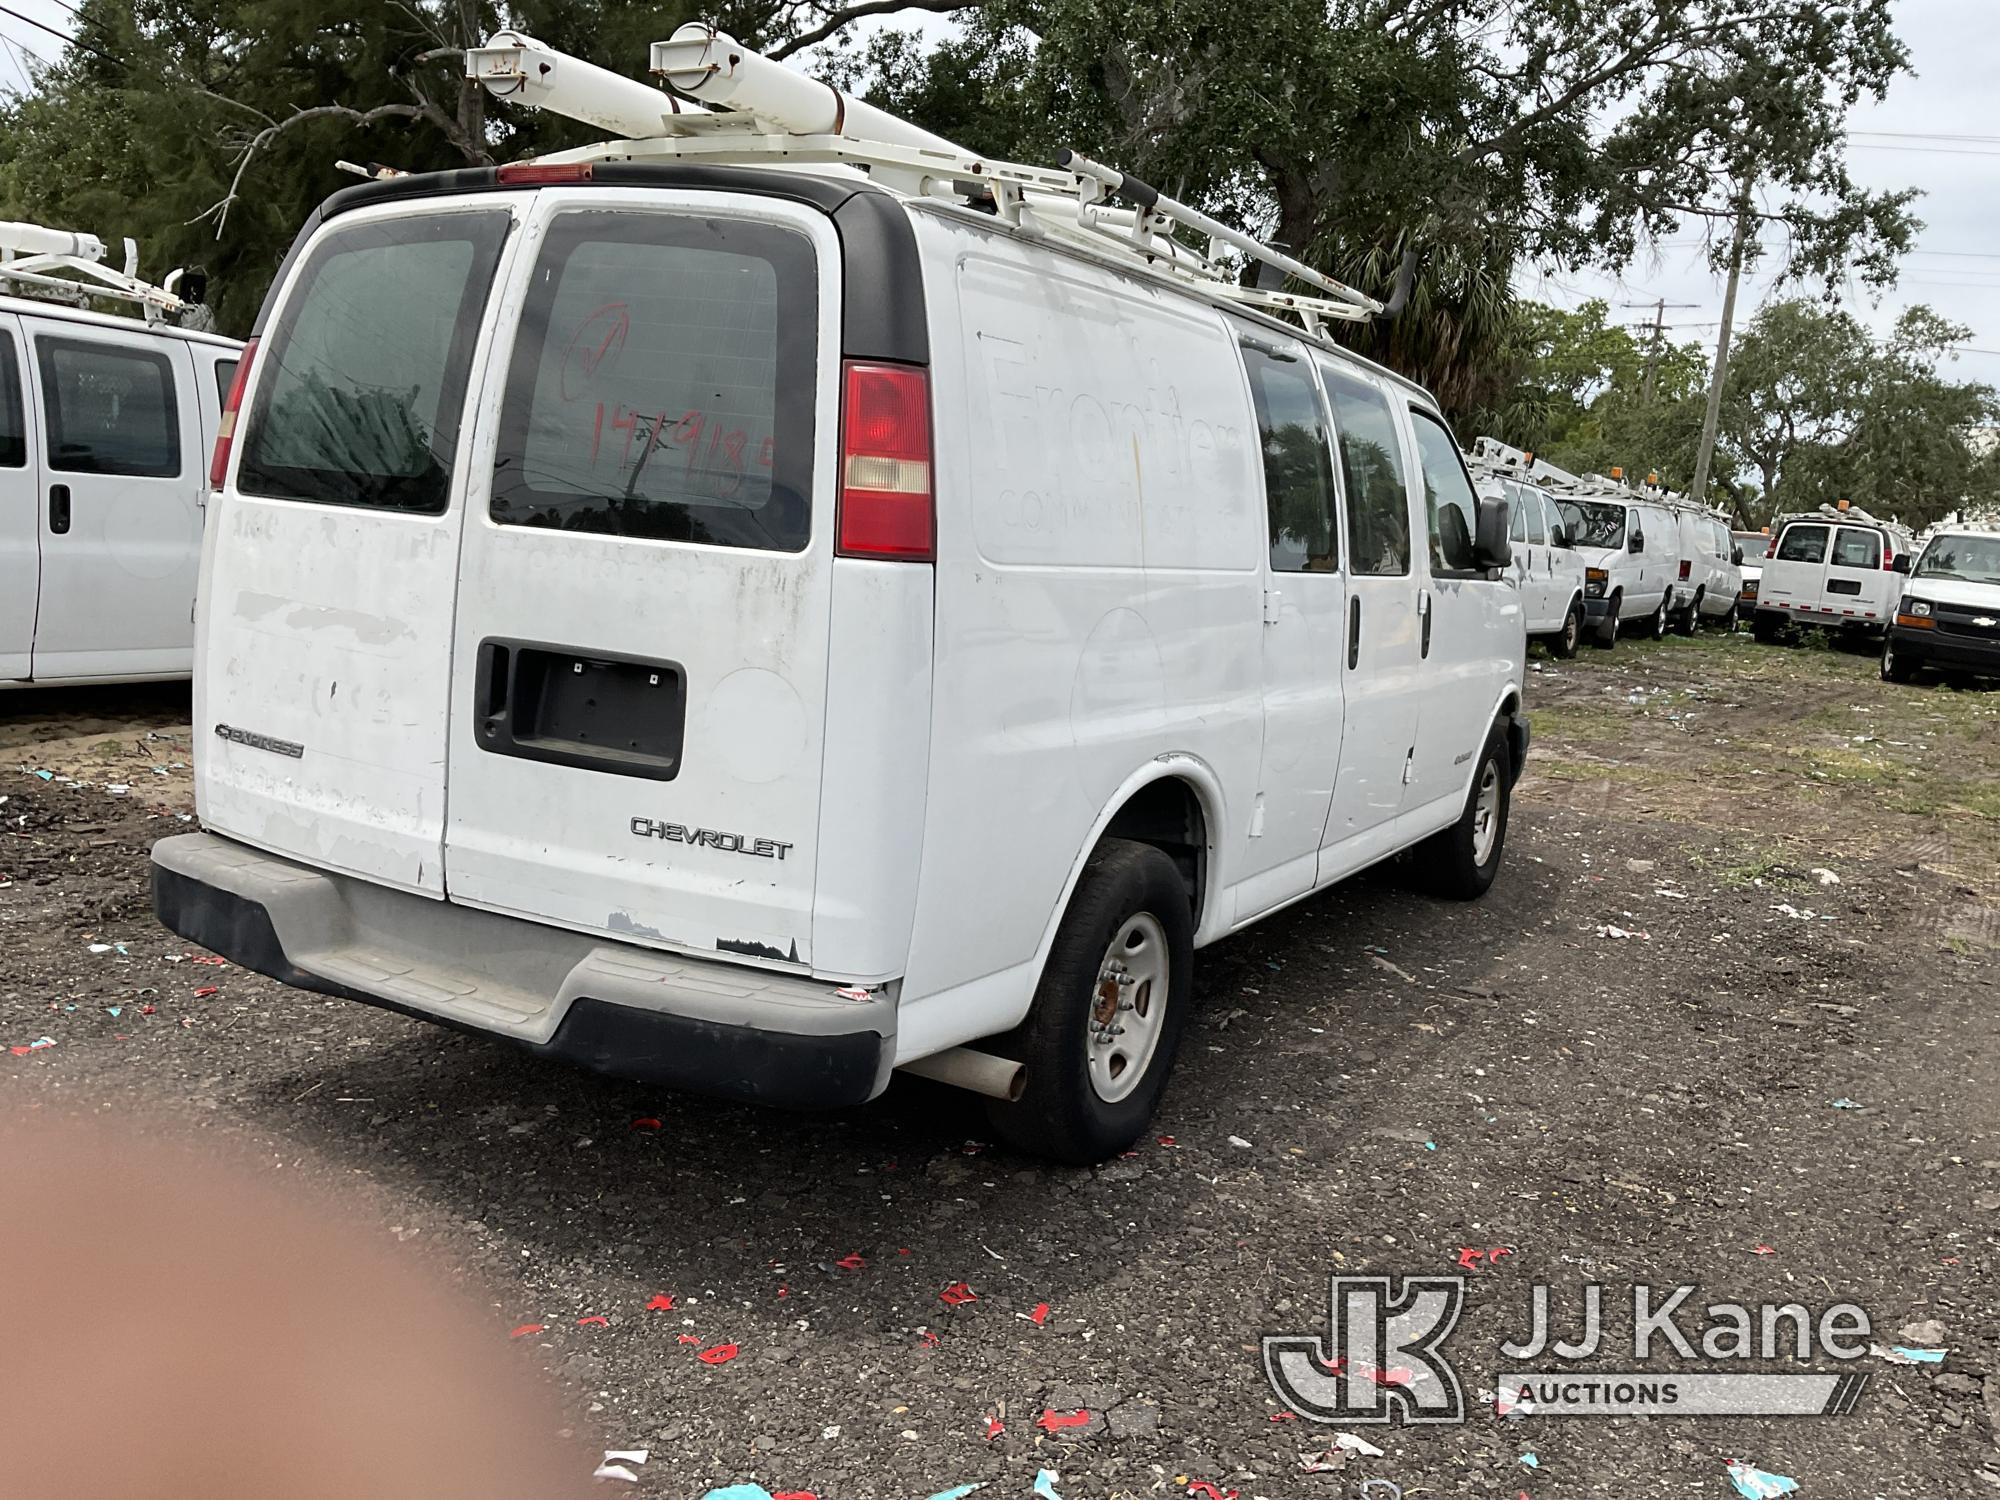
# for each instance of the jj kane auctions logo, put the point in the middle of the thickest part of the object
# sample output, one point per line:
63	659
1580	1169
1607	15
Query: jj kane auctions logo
1382	1358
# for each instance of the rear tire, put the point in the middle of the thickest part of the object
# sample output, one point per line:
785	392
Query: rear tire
1117	983
1564	642
1461	862
1690	618
1768	629
1656	627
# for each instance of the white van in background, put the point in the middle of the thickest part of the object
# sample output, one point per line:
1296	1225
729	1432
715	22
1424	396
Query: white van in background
752	628
1631	549
1711	569
105	428
1547	570
1835	568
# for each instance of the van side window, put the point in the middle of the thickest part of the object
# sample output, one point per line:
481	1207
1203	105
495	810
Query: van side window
225	373
1517	512
1298	467
1805	544
1538	531
1448	498
13	419
663	382
1371	472
1557	535
109	410
1857	549
364	372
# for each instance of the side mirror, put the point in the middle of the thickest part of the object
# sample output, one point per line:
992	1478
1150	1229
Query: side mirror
1636	542
1736	556
1491	547
1558	537
1902	563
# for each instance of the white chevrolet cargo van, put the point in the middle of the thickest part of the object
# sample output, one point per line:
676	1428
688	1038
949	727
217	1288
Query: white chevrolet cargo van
105	428
751	628
1837	568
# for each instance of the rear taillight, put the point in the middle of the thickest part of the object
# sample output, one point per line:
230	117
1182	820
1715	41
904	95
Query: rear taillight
1888	556
1687	567
1772	550
225	432
885	464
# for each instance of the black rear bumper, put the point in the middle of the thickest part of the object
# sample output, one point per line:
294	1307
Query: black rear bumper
702	1056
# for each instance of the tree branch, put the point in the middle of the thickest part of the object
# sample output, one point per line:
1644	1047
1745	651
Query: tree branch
220	211
847	15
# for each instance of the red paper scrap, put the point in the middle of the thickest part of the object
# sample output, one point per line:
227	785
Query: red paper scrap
661	1302
206	990
1469	1258
527	1328
784	1291
690	1338
903	1252
994	1427
1167	1140
928	1339
1040	1315
721	1354
1056	1421
595	1320
149	1010
1763	1250
1203	1487
1284	1416
646	1122
795	1495
958	1294
852	1261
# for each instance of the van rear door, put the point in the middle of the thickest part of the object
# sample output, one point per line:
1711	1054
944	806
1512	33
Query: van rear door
1795	577
326	615
20	510
1858	586
640	665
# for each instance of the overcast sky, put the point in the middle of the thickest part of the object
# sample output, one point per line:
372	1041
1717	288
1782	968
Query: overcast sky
1938	131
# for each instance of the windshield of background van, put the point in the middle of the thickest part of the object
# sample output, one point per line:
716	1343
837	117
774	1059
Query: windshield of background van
1592	524
662	383
361	383
1968	559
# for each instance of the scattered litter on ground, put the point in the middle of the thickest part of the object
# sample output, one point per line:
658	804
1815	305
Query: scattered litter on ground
36	1045
1923	1334
1060	1421
1388	968
1529	1460
1333	1458
1607	930
1469	1257
1389	1488
662	1302
1762	1250
721	1354
528	1328
1239	1143
956	1492
1045	1484
1824	876
1756	1484
957	1295
852	1261
1904	1354
1203	1487
646	1122
593	1320
1038	1317
994	1427
616	1461
1844	1104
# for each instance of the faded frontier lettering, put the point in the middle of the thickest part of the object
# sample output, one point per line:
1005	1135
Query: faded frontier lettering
710	838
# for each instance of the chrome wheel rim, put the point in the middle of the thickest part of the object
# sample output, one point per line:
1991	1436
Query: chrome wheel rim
1486	814
1128	1009
1572	628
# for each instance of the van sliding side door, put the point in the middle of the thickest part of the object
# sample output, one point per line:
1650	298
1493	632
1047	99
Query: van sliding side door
20	526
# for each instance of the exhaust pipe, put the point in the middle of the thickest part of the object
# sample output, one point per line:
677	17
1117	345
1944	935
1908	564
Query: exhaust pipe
981	1072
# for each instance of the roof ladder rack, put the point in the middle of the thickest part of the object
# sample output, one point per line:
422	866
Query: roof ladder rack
65	267
749	109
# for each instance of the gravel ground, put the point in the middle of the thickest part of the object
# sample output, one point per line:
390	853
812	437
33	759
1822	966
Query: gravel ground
1776	1086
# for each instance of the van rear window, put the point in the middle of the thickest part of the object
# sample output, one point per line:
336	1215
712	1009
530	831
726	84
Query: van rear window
663	381
361	382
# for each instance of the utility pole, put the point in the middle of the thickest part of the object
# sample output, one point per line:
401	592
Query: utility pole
1699	490
1657	344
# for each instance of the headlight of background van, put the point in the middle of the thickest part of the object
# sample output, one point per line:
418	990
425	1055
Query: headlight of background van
1916	606
1594	580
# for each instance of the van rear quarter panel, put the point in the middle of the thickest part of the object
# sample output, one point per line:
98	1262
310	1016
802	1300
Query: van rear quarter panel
1100	544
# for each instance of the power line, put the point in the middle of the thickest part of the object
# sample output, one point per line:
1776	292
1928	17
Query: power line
1923	150
1899	135
61	36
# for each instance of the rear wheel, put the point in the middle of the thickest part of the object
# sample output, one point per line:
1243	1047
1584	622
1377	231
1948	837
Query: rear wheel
1767	627
1656	627
1460	862
1690	618
1895	667
1564	642
1107	1017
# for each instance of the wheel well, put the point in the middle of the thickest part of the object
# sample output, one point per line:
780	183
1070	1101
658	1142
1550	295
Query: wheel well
1168	815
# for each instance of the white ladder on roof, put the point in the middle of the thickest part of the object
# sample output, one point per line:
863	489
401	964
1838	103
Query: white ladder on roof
751	110
62	266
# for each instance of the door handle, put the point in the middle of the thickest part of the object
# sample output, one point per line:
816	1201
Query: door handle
59	509
1353	631
1424	609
